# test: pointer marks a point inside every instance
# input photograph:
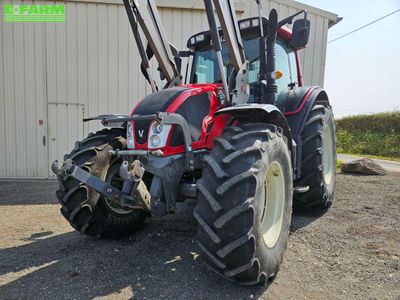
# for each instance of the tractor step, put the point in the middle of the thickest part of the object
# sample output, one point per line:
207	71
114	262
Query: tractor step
301	189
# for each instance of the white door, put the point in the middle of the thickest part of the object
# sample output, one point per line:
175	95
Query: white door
65	128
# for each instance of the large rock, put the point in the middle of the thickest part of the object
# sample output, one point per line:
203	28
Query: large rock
363	166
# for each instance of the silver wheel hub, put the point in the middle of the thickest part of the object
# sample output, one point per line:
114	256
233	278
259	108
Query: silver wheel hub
328	163
273	197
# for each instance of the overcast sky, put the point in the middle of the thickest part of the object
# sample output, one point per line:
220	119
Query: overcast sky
362	72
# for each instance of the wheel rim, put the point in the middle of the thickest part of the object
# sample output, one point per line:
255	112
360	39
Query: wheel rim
114	179
327	156
273	204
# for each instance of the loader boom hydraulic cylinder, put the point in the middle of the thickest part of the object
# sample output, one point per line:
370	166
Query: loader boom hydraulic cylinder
239	88
145	13
217	44
139	43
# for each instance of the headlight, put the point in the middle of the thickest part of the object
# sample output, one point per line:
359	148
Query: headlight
200	38
130	140
155	141
245	24
158	135
157	128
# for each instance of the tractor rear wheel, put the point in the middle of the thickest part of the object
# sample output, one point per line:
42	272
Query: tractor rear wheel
85	209
318	163
245	203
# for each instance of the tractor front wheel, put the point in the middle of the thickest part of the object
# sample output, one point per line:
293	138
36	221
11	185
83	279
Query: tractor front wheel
245	203
85	209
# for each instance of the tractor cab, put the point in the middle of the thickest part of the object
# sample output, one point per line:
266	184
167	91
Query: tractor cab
205	66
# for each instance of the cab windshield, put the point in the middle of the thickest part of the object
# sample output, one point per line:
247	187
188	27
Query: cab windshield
206	70
206	65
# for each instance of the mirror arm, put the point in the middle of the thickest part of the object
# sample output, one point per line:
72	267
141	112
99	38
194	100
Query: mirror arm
289	20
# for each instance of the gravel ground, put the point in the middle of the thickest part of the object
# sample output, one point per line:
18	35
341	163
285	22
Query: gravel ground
350	251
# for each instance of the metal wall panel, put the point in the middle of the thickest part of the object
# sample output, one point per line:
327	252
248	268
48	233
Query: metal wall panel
22	98
93	59
91	62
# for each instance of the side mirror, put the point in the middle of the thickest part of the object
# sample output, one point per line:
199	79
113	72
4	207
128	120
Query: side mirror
300	34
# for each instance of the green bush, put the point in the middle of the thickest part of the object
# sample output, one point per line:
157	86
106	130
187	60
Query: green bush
377	134
386	123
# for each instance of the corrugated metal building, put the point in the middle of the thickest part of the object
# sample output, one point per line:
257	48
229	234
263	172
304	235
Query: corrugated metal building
54	74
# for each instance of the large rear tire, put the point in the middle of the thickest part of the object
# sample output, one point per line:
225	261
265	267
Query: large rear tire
318	163
245	203
85	209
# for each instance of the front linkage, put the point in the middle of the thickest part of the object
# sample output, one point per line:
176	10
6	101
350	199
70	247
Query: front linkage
166	171
134	194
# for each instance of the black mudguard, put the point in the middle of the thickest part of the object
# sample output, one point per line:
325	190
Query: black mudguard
260	113
296	107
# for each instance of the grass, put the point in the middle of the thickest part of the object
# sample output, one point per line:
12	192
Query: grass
375	136
338	164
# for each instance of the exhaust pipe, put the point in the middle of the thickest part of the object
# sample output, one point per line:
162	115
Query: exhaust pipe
271	89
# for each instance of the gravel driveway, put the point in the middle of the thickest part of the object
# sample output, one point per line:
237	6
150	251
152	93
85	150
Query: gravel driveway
351	251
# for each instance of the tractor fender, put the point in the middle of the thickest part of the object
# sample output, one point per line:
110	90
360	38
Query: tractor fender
298	104
296	108
260	113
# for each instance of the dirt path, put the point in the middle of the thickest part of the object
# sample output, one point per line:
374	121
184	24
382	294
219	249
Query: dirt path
351	251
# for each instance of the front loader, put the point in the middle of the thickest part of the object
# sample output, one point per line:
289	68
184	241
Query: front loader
243	136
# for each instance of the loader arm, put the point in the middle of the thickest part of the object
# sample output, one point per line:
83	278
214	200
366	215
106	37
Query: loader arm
147	15
238	80
227	17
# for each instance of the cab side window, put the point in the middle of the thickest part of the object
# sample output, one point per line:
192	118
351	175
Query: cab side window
293	68
254	69
282	64
205	70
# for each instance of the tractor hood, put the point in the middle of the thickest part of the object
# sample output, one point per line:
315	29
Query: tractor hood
151	104
194	102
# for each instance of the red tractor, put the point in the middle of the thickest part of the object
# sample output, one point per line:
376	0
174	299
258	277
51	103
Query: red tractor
244	136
